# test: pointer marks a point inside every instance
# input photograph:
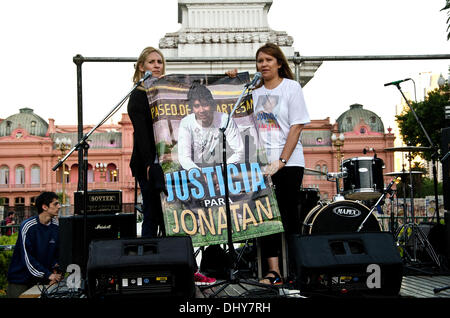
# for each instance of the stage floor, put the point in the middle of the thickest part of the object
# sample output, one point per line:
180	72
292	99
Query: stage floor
412	287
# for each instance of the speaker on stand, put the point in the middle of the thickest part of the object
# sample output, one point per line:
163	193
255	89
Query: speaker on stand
347	264
445	152
150	267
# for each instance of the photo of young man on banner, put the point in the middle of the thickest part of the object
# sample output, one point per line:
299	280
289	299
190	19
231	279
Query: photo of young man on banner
188	112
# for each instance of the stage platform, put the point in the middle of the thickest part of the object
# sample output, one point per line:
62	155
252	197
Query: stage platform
413	286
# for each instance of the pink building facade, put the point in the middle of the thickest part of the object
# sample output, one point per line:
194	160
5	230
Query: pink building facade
28	152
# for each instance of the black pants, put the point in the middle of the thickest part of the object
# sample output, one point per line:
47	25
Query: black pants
287	182
151	209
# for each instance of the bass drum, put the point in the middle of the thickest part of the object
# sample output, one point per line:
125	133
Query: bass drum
338	217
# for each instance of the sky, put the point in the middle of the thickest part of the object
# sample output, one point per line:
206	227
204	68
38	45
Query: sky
40	38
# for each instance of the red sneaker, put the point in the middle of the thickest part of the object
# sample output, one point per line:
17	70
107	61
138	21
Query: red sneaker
201	279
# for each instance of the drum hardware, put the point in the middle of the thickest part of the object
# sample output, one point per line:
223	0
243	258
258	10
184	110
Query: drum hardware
411	232
334	177
409	149
385	192
314	172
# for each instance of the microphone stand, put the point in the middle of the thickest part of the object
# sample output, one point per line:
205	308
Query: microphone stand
83	146
434	156
417	233
233	260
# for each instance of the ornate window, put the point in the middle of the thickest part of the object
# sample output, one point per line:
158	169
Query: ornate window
4	175
20	175
35	174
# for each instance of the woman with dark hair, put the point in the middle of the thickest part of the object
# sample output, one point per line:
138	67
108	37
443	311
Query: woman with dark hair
280	127
280	114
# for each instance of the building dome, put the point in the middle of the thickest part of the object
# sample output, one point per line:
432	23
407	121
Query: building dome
357	115
25	119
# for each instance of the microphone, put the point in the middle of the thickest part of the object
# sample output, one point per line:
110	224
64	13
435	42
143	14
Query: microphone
147	75
397	82
255	80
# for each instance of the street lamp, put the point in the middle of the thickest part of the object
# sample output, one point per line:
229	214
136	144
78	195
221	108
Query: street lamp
63	144
338	143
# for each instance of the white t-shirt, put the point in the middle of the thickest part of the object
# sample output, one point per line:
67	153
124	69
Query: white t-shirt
276	111
199	145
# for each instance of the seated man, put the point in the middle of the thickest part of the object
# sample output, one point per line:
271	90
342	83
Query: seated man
36	252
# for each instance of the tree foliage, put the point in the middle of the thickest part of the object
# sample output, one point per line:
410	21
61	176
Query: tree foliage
5	260
447	7
431	113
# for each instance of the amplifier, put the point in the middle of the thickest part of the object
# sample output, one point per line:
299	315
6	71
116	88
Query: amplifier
347	263
99	201
141	267
98	227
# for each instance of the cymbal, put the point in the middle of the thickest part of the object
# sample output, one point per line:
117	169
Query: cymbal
314	172
408	149
401	173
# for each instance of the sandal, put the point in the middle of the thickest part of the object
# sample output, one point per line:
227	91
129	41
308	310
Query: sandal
274	280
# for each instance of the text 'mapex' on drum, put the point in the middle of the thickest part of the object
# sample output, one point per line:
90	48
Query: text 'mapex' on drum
340	217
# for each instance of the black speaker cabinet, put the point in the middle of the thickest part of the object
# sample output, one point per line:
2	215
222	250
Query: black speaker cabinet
445	147
141	267
98	227
347	263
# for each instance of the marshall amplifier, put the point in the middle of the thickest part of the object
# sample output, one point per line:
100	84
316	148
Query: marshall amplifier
98	227
155	267
99	201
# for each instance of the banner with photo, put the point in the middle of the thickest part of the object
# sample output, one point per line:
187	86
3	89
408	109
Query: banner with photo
188	112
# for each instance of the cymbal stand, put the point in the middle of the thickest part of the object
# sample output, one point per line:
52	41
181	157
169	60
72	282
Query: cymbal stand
418	237
411	189
411	231
392	214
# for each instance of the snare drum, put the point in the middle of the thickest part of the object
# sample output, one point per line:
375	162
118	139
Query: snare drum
339	217
364	179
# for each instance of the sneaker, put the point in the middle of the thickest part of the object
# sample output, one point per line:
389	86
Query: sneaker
201	279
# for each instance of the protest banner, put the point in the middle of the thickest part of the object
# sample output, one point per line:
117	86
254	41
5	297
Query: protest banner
188	112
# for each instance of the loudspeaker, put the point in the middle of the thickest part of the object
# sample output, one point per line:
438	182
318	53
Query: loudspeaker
141	267
346	263
98	227
445	147
447	235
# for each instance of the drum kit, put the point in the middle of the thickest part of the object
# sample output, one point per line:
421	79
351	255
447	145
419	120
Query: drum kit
355	207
